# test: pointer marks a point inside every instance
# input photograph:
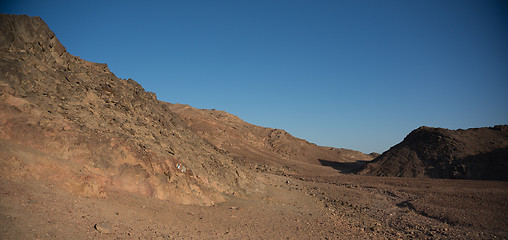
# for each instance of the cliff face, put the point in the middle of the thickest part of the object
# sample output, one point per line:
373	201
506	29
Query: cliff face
477	153
73	122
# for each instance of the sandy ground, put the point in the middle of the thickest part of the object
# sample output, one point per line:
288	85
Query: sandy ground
31	210
299	207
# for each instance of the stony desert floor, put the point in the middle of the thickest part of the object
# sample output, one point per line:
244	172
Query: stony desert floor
312	206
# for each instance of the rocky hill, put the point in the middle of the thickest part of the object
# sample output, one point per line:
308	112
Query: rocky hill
477	153
75	123
266	148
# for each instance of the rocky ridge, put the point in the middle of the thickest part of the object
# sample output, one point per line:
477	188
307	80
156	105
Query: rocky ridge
265	149
73	121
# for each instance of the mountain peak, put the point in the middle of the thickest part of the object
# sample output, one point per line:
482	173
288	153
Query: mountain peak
25	34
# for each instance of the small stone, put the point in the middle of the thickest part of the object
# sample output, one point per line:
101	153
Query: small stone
103	227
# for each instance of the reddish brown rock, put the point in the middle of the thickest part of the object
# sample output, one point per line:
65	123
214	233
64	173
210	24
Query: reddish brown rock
75	123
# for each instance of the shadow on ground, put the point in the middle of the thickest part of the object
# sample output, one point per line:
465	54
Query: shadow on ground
347	167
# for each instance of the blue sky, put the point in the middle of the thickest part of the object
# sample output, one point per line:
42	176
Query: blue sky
351	74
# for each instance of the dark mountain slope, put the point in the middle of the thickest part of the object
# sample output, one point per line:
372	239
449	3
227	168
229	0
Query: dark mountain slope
477	153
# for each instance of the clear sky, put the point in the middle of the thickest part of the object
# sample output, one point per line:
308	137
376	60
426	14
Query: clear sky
351	74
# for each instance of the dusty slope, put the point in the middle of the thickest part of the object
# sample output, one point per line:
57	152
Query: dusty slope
477	153
94	131
266	148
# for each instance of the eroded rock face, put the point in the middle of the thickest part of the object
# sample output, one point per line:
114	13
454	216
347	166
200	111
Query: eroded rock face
476	153
75	123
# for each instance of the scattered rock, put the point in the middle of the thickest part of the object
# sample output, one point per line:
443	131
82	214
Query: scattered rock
104	227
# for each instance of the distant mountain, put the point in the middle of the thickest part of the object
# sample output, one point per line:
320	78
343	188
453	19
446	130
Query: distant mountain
476	153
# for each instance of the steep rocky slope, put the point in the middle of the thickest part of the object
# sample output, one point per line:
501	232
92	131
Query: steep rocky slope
476	153
75	123
266	148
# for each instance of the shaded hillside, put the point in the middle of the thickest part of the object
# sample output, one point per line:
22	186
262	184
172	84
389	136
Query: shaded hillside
74	123
477	153
254	145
